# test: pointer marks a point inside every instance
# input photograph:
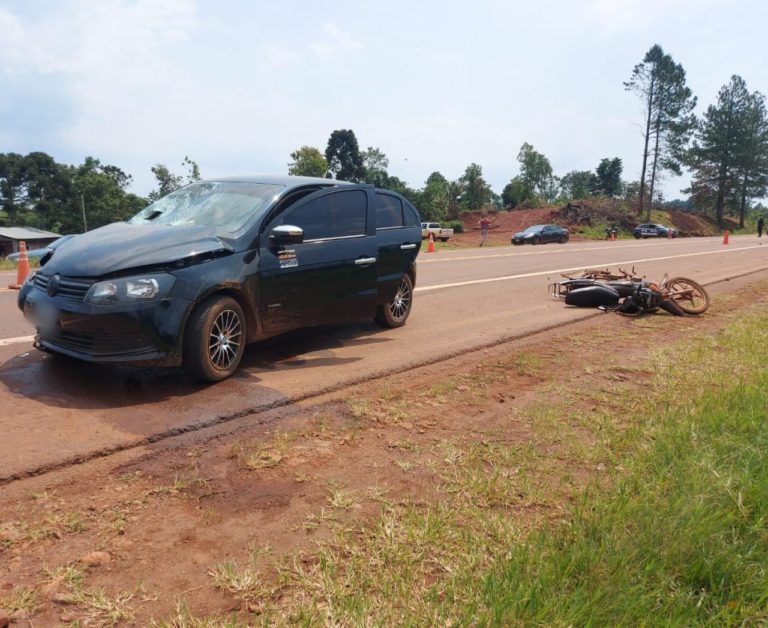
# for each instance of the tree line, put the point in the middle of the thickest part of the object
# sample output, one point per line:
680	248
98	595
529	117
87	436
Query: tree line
441	199
725	150
37	191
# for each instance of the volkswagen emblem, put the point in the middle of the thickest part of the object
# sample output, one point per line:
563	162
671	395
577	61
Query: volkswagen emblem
53	285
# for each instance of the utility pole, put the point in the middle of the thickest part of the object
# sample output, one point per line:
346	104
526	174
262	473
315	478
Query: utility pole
82	207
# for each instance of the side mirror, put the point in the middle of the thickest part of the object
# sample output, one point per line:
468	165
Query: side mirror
286	234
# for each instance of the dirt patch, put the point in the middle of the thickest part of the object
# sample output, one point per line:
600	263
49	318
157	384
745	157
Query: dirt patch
168	531
504	225
575	217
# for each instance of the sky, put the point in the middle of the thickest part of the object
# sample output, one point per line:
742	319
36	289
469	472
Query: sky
238	85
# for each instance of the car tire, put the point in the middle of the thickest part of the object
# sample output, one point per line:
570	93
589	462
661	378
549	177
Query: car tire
563	240
214	339
637	236
396	312
536	240
443	239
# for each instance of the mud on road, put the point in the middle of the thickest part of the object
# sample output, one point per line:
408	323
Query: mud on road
125	540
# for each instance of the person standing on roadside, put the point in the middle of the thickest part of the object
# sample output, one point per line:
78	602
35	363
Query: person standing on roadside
485	225
760	225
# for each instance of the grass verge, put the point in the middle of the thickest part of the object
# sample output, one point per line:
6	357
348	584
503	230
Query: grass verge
681	538
673	530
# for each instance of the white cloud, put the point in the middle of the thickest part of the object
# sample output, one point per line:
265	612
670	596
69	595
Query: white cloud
334	41
278	56
636	15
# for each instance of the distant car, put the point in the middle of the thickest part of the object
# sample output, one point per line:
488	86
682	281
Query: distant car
653	230
438	232
541	234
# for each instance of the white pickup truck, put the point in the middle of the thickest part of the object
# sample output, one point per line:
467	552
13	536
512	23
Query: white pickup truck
438	233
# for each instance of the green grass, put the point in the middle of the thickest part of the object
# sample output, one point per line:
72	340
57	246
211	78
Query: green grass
10	265
672	530
682	538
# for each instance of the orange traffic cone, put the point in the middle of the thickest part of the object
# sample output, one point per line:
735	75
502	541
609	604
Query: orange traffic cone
669	233
725	237
613	235
21	275
431	245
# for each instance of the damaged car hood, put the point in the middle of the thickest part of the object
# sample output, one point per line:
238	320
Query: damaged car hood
121	246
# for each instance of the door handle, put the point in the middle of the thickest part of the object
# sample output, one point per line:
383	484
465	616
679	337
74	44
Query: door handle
407	247
365	261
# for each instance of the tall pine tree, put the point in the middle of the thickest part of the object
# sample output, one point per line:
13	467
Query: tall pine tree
668	118
718	152
752	155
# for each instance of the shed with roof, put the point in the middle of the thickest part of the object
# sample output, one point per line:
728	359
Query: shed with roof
10	237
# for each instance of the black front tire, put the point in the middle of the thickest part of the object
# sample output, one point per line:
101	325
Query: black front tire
396	312
214	339
536	240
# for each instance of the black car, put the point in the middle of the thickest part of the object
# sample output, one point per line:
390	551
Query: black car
217	264
540	234
653	230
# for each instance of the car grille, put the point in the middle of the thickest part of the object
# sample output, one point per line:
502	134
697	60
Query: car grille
102	344
69	287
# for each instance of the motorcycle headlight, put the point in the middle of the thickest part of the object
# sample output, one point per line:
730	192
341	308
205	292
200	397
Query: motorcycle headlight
130	289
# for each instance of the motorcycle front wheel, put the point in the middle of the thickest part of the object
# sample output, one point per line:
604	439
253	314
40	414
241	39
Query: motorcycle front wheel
688	295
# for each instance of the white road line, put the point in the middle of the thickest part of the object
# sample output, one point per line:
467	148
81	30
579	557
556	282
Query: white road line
570	270
546	252
12	341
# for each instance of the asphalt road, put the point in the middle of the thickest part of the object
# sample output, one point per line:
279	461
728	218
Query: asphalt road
58	411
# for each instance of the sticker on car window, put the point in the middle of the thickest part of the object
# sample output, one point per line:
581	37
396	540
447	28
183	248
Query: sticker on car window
287	258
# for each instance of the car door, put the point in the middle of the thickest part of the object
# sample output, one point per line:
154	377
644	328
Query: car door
398	243
331	275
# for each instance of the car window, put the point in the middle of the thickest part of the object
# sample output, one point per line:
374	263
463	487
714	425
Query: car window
410	216
335	215
389	211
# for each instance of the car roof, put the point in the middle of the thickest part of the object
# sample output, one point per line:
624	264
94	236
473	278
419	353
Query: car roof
288	181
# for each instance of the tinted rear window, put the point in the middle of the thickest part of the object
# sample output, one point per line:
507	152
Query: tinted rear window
389	211
335	215
411	217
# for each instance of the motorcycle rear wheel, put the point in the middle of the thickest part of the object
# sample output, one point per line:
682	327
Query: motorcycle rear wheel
688	295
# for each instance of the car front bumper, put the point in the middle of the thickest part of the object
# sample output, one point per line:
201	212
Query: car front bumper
137	333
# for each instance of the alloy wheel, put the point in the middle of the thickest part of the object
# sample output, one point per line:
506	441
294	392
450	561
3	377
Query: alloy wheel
224	340
402	301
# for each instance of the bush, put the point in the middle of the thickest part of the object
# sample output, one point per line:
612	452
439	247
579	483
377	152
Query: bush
457	226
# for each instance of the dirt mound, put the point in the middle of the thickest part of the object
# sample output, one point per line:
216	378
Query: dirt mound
696	225
504	224
573	216
577	216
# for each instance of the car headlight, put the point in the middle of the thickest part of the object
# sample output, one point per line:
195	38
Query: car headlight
130	289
